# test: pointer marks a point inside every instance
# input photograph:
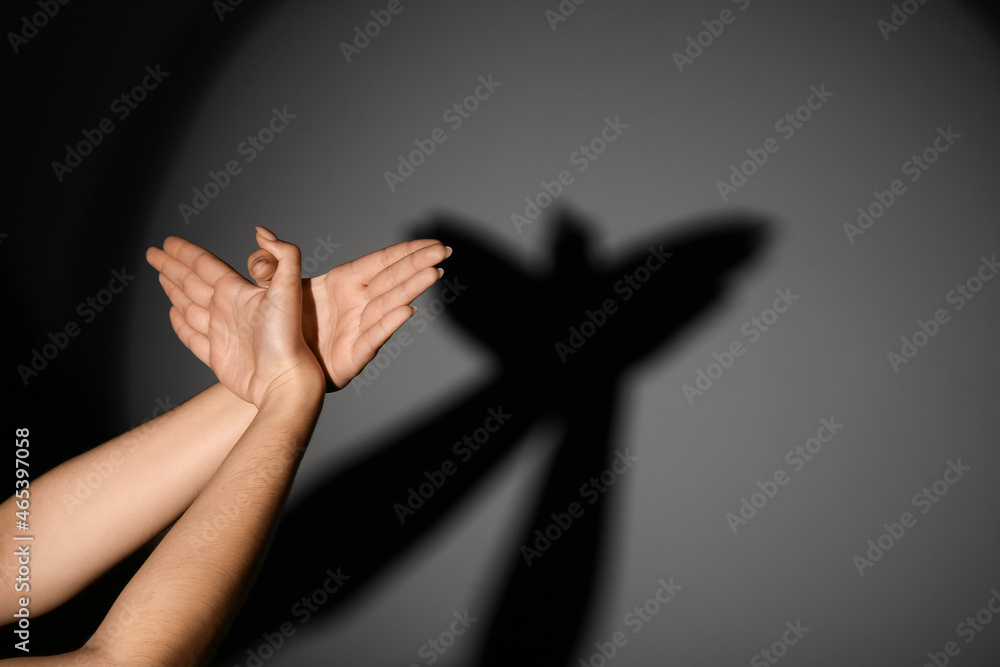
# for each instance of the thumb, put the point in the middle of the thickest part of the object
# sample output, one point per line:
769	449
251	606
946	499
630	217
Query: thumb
262	265
287	275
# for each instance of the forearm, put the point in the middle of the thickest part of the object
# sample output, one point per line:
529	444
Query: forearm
95	509
184	597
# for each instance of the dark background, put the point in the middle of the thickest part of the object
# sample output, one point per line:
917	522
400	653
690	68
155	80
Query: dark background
323	179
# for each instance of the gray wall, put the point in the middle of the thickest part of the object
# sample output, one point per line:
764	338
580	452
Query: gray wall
826	357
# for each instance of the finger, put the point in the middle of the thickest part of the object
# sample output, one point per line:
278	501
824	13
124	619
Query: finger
155	257
194	314
181	276
400	295
261	265
367	267
406	267
377	335
288	273
194	341
205	265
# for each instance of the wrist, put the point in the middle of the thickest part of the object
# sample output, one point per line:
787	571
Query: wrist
303	384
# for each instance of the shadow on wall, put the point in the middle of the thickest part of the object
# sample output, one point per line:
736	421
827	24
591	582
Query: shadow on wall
564	335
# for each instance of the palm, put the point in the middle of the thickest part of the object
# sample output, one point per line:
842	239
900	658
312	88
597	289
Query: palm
250	334
351	311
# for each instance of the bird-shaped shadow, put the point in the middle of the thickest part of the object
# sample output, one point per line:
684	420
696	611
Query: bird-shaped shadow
563	334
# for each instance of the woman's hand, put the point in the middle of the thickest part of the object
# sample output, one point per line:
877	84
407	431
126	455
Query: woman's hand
250	336
351	311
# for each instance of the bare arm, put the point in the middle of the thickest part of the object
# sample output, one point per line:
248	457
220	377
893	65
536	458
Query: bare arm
183	599
95	509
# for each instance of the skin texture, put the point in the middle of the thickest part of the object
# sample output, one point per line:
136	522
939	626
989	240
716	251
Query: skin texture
350	312
275	347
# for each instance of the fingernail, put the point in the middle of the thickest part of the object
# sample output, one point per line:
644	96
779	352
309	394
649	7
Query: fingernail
261	261
267	233
449	249
440	272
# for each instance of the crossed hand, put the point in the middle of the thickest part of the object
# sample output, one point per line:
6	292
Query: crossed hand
257	337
